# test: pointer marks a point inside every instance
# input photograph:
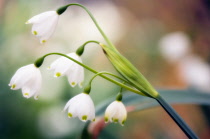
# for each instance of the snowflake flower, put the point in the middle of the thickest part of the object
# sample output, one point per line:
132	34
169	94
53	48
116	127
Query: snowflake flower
29	79
44	25
64	66
81	106
116	112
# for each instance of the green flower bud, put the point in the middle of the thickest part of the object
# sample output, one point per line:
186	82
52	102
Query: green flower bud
129	72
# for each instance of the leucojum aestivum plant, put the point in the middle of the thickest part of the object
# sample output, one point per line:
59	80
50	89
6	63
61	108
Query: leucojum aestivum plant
29	79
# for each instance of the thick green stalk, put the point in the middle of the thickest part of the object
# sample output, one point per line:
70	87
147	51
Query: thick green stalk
179	121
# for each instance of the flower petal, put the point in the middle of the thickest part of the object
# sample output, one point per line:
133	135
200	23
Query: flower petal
81	106
116	112
44	25
64	66
29	79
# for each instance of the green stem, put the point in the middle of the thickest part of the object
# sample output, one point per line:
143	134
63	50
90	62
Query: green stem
121	89
104	72
94	20
94	71
91	41
179	121
87	89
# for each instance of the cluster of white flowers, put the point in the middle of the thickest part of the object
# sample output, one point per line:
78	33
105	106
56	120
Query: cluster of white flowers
29	79
82	106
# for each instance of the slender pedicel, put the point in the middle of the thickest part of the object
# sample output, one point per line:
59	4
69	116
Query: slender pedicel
63	9
40	60
88	87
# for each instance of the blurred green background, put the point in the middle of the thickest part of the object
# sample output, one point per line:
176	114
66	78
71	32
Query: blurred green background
168	41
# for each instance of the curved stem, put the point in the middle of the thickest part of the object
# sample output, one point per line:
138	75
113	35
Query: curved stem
80	50
94	71
104	72
87	89
91	41
95	22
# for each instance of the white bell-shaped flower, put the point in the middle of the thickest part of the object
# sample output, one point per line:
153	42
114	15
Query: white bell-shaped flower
64	66
116	112
44	25
29	79
81	106
175	46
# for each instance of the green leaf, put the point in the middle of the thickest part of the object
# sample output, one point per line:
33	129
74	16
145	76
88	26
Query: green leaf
139	102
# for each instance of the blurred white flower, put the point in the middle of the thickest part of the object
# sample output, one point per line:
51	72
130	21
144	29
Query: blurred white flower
81	106
44	25
29	79
116	112
64	66
196	73
174	46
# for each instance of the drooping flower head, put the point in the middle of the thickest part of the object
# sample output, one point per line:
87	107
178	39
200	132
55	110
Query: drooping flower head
81	106
44	25
29	79
64	66
116	112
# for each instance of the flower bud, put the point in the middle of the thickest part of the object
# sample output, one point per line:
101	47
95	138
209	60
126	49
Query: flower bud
129	72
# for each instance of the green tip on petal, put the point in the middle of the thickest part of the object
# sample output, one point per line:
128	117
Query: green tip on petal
84	117
58	74
70	115
13	86
43	41
115	120
26	94
73	83
94	120
106	119
35	32
123	122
